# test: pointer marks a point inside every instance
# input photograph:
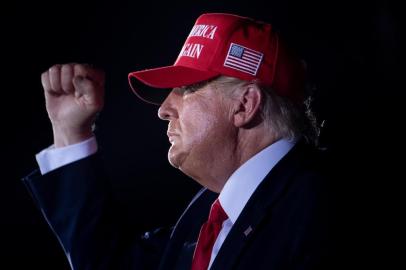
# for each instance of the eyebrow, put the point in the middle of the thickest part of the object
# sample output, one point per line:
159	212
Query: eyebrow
197	86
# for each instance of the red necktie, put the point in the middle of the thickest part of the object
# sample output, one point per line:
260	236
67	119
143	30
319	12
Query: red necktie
207	237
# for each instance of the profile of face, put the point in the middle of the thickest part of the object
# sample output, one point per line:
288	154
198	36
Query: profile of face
200	128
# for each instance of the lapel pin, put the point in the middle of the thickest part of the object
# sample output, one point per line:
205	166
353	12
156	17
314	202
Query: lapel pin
248	231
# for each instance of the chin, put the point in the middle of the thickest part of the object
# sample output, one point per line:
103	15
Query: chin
174	158
177	160
173	163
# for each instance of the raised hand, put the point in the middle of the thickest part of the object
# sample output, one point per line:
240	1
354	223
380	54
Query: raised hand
74	94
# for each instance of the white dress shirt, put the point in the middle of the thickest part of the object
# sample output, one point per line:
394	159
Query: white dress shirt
52	158
233	197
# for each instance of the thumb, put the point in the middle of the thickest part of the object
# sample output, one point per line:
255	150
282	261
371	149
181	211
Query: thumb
84	86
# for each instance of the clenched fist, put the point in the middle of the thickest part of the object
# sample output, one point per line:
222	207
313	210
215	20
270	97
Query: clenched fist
74	94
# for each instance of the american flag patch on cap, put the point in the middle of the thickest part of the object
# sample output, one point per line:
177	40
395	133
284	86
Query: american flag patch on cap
243	59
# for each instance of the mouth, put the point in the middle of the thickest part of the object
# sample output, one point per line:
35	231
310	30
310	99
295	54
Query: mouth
171	135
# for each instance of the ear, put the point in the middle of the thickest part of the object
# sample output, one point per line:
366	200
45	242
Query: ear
247	106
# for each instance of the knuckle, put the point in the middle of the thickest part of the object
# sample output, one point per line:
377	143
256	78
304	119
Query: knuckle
79	67
66	68
66	74
44	75
54	69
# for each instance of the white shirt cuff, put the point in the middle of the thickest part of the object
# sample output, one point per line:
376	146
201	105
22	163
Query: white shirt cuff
52	158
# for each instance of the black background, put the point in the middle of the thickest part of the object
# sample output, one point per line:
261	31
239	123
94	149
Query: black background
353	52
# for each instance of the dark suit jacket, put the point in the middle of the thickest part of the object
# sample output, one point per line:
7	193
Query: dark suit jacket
286	224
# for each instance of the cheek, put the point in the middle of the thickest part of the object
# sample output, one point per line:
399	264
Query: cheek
195	125
202	123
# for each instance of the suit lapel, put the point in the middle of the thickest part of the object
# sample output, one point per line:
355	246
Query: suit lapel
178	253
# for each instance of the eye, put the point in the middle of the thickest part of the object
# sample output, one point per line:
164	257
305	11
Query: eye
189	90
194	87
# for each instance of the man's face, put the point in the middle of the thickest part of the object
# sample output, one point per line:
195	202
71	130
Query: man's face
200	128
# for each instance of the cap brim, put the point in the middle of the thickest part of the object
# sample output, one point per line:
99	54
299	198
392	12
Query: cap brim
164	78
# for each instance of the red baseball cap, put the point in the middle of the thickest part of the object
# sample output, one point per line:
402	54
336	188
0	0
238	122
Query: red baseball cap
229	45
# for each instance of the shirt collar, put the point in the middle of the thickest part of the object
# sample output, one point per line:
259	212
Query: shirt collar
243	182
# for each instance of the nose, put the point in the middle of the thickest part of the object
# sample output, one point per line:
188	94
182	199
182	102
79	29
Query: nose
169	108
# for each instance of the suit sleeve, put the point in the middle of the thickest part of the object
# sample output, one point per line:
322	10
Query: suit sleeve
77	203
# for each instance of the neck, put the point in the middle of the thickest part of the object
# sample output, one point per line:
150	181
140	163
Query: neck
246	144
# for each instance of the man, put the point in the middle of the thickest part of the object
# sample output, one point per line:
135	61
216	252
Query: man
237	125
